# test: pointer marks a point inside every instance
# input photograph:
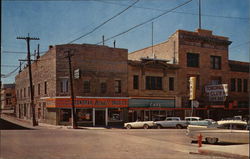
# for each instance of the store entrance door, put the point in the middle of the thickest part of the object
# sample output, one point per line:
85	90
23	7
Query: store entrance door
100	117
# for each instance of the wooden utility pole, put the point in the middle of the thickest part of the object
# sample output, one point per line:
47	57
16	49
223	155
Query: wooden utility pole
74	121
28	38
199	14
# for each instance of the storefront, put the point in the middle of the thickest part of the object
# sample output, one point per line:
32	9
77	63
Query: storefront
90	111
150	109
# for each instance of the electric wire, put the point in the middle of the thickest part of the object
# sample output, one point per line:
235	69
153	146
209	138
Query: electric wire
136	26
103	23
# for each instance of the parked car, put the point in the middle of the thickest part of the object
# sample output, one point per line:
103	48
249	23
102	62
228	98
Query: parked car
231	131
140	124
197	121
169	122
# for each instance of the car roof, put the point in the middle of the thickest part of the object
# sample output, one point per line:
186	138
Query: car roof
231	122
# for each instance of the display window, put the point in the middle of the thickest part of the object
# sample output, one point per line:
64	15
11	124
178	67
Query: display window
115	114
84	114
65	115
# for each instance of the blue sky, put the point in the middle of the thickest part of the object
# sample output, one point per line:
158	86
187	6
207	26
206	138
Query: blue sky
59	22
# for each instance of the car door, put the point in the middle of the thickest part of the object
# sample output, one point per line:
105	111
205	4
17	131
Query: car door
239	133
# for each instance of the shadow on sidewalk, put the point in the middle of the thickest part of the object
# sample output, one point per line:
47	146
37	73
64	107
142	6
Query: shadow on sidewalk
6	125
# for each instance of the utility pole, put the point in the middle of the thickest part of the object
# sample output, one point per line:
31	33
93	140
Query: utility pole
199	14
74	123
28	38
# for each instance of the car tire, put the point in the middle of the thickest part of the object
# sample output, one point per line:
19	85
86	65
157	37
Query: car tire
178	126
211	140
158	126
128	126
145	126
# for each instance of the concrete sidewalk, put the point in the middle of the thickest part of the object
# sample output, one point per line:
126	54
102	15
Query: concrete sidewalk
230	151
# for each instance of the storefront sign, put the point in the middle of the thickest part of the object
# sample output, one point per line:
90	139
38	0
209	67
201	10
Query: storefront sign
88	102
152	103
217	92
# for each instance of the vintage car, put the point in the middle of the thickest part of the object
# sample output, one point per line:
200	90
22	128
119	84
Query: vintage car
197	121
172	122
230	131
140	124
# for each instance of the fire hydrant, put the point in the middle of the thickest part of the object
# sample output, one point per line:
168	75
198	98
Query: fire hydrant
199	140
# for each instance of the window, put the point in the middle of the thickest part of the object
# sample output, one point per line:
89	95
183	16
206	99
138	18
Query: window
64	85
65	115
84	114
17	93
192	60
33	90
21	93
117	86
114	114
245	85
103	87
216	80
86	86
239	84
24	92
233	84
45	87
38	89
171	83
29	91
215	62
136	82
153	83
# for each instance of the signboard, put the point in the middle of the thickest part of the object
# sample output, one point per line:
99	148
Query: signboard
152	103
192	88
217	92
77	73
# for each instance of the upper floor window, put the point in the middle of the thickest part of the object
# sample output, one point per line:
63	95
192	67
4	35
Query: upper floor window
215	62
233	84
86	86
64	85
45	87
153	83
118	86
171	83
24	92
239	84
136	82
103	87
192	60
245	85
38	89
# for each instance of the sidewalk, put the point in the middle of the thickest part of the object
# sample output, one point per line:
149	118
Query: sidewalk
231	151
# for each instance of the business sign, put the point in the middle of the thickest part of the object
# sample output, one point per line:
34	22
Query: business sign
88	102
152	103
77	73
217	92
192	88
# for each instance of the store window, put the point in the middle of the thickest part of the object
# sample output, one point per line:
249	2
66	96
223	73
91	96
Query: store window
84	114
65	115
64	85
86	86
118	86
153	83
115	114
136	82
215	62
192	60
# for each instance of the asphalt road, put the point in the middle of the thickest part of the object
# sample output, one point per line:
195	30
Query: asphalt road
98	144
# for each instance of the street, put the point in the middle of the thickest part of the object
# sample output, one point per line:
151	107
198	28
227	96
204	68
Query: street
97	144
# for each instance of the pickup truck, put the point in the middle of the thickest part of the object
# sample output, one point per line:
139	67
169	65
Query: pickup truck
171	122
197	121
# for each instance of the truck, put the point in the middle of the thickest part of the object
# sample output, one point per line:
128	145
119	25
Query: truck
171	122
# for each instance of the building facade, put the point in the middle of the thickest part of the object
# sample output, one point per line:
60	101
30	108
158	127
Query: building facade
8	97
99	82
203	55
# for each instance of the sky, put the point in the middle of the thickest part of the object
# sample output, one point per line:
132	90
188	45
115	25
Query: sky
60	22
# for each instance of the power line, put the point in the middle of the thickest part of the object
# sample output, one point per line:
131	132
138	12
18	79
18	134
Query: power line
240	45
103	23
13	52
156	9
146	21
9	66
12	72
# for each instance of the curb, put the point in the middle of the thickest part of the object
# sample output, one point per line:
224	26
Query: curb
222	154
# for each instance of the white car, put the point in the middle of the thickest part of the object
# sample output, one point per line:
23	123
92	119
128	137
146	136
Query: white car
139	124
231	131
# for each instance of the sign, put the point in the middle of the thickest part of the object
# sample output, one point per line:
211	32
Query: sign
196	104
217	92
152	103
192	88
77	73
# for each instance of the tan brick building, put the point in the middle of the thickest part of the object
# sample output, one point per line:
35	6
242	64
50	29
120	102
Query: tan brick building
202	55
100	88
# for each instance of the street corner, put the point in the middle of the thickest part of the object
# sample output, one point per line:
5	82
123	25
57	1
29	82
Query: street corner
229	151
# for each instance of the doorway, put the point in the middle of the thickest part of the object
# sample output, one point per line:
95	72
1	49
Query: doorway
100	117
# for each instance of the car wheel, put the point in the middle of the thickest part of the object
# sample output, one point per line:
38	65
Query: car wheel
179	126
128	126
158	126
211	140
145	126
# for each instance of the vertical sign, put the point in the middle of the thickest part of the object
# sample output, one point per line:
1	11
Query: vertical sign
192	88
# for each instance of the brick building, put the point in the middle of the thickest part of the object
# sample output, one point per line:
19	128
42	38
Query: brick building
202	55
8	96
100	88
